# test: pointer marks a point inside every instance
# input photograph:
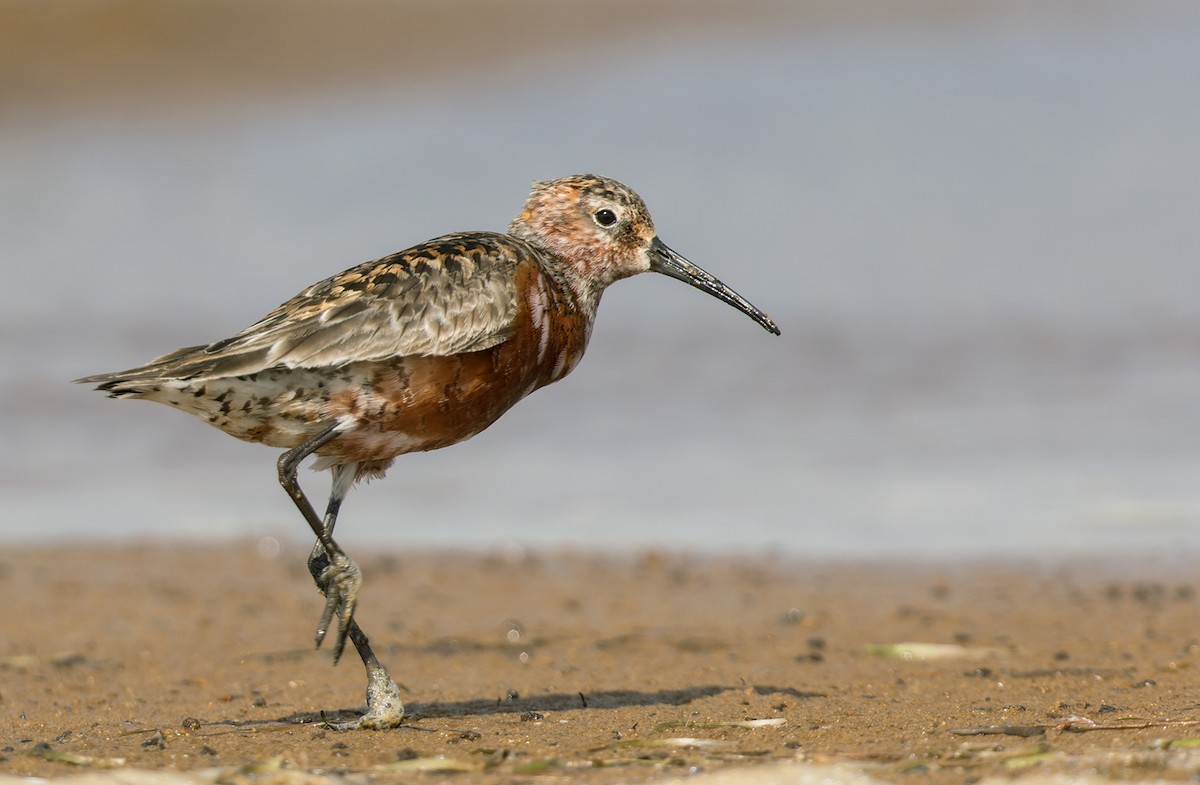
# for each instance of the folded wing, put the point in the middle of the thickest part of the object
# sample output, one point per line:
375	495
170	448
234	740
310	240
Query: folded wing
450	295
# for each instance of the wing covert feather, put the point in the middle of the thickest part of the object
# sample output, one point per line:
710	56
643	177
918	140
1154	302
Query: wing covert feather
447	296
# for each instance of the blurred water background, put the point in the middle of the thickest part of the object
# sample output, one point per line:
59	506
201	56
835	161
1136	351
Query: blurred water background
978	225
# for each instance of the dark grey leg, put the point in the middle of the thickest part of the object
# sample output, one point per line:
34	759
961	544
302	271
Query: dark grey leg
339	579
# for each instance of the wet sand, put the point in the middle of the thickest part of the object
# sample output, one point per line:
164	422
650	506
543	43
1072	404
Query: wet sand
195	661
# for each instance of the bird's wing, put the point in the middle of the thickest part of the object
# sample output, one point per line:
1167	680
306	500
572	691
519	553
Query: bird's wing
450	295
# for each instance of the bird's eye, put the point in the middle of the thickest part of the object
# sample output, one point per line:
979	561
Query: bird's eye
605	217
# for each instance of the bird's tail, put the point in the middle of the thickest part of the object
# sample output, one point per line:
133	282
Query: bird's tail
143	380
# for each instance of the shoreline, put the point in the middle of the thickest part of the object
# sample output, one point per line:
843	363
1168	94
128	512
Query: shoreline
194	661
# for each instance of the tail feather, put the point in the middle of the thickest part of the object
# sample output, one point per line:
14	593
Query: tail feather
122	390
136	382
117	385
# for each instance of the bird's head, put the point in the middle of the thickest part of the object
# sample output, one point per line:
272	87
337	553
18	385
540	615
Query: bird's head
599	231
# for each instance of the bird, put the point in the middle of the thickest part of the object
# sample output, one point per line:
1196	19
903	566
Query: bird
415	351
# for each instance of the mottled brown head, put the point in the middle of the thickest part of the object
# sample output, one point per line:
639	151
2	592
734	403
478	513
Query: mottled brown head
597	227
598	231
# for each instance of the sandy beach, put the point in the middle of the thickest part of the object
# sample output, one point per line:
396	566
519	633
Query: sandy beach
519	667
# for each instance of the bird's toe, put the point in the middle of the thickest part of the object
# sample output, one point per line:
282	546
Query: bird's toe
340	581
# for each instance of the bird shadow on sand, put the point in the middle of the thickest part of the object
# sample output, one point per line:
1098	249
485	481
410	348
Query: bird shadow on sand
608	699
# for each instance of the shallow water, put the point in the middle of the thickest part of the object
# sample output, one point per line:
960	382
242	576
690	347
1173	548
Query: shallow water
979	236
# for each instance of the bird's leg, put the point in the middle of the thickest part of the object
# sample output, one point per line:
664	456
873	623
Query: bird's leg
384	706
385	709
288	463
340	579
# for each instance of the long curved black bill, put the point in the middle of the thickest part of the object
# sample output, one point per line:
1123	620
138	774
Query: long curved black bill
664	260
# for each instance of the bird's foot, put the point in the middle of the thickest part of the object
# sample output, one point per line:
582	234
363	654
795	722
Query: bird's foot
384	707
339	580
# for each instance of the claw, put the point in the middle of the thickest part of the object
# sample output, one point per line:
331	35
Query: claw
339	581
331	603
339	643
